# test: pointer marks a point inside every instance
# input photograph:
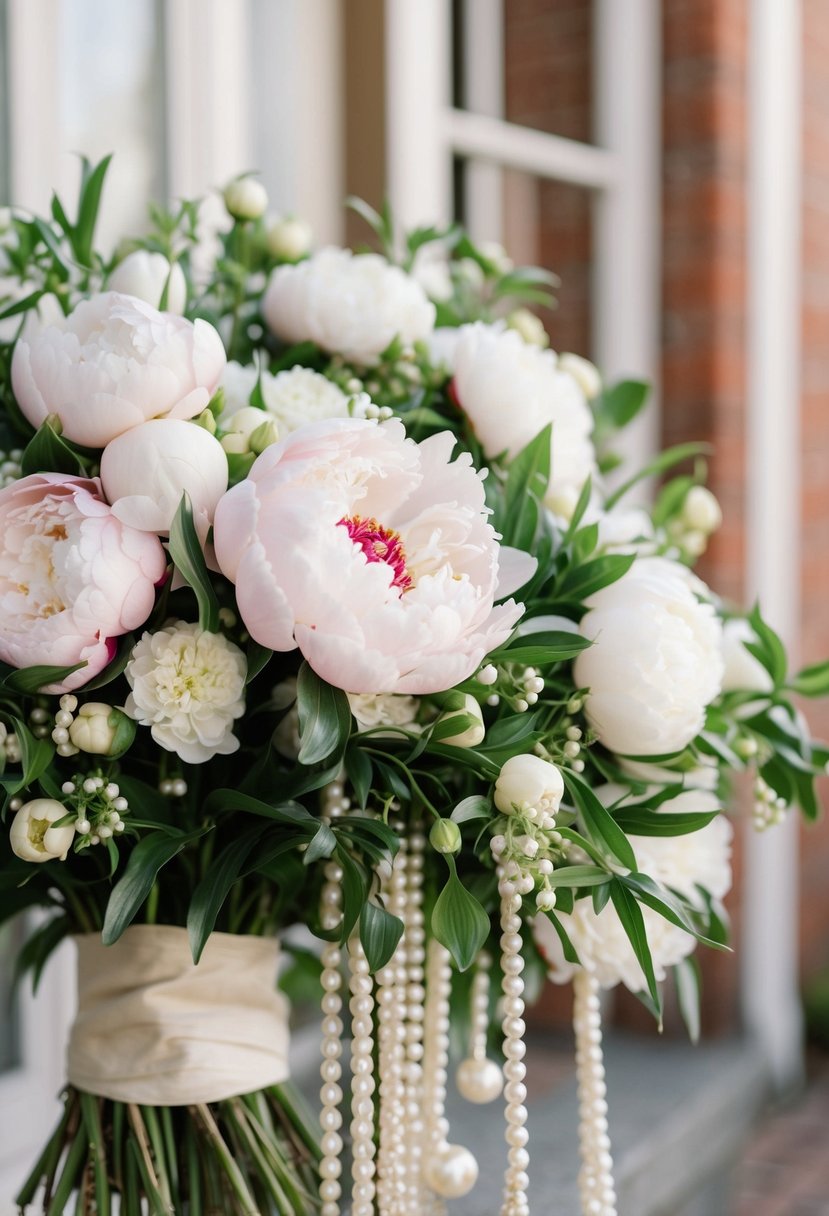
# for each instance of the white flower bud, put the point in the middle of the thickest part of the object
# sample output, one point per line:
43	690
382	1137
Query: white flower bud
583	372
471	735
289	239
145	275
101	730
32	836
531	780
545	900
246	198
701	511
529	326
488	674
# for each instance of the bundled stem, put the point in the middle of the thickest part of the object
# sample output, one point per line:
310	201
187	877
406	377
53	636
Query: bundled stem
255	1155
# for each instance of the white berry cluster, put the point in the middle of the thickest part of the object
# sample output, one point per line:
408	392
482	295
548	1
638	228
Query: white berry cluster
10	469
698	519
519	687
525	843
100	806
768	809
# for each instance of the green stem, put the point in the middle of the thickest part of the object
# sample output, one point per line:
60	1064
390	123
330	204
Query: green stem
91	1112
225	1159
73	1166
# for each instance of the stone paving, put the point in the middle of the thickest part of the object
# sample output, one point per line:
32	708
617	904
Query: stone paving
784	1170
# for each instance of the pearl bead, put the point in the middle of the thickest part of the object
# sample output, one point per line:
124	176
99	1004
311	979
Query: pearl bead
331	1120
452	1172
479	1081
330	1189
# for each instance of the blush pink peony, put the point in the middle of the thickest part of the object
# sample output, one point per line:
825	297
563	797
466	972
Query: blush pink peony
72	576
114	363
371	553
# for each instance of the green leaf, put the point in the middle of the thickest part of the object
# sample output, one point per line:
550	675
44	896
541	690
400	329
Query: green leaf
210	894
37	950
667	904
282	812
568	949
687	976
812	681
631	920
35	755
47	452
599	825
355	889
29	680
21	306
359	771
379	933
113	670
527	481
579	582
187	554
324	717
88	206
147	858
578	876
774	657
666	460
458	920
322	844
258	657
623	401
641	822
473	807
541	648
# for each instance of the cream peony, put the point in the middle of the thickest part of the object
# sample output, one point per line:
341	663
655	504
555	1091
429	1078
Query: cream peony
681	862
511	390
146	470
371	553
72	576
383	709
188	687
145	275
32	836
351	305
114	363
655	662
294	398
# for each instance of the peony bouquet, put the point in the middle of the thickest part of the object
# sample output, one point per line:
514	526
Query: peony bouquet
323	604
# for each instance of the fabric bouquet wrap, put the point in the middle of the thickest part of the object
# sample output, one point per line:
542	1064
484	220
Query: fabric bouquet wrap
341	663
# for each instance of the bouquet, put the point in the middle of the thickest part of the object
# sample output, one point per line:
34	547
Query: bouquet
325	605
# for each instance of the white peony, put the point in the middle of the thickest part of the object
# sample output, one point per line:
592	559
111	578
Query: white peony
743	673
114	363
32	836
383	709
655	663
683	863
146	470
188	687
353	305
511	390
294	398
145	275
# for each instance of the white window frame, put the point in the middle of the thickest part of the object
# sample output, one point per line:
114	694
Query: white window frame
425	131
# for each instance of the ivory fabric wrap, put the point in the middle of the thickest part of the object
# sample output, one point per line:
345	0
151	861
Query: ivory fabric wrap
154	1028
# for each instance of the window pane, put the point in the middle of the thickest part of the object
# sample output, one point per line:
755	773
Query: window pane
10	941
111	100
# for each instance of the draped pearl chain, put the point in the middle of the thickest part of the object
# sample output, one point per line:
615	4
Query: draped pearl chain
363	1150
516	1180
598	1197
392	1179
331	1094
479	1079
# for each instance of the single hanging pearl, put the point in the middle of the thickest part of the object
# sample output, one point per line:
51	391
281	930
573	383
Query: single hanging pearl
478	1079
516	1180
598	1196
451	1172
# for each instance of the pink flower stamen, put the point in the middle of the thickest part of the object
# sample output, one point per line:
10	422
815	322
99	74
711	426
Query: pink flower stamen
379	544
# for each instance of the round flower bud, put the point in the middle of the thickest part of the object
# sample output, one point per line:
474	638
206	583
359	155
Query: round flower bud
545	900
529	326
102	730
445	836
528	780
583	372
32	836
245	198
263	436
289	239
145	275
701	511
470	735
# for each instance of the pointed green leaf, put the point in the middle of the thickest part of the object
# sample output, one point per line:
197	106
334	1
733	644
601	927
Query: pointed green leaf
324	718
458	920
379	933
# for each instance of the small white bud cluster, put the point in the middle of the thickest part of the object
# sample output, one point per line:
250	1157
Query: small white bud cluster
769	809
362	406
100	807
63	720
700	517
173	787
526	843
10	470
521	688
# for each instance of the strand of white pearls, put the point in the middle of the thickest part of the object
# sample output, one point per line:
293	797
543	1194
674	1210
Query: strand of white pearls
363	1148
598	1197
331	1094
391	1016
479	1079
415	1000
516	1180
435	1061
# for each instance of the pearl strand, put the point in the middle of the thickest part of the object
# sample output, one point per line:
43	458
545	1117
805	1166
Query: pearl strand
361	1006
391	999
435	1059
516	1180
598	1197
415	1000
479	1079
331	1093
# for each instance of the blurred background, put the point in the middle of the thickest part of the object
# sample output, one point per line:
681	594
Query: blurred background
670	161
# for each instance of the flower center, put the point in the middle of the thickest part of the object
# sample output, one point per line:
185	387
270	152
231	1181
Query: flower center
379	544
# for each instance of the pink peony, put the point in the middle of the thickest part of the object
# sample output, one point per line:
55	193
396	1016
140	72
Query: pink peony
372	554
72	577
114	363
